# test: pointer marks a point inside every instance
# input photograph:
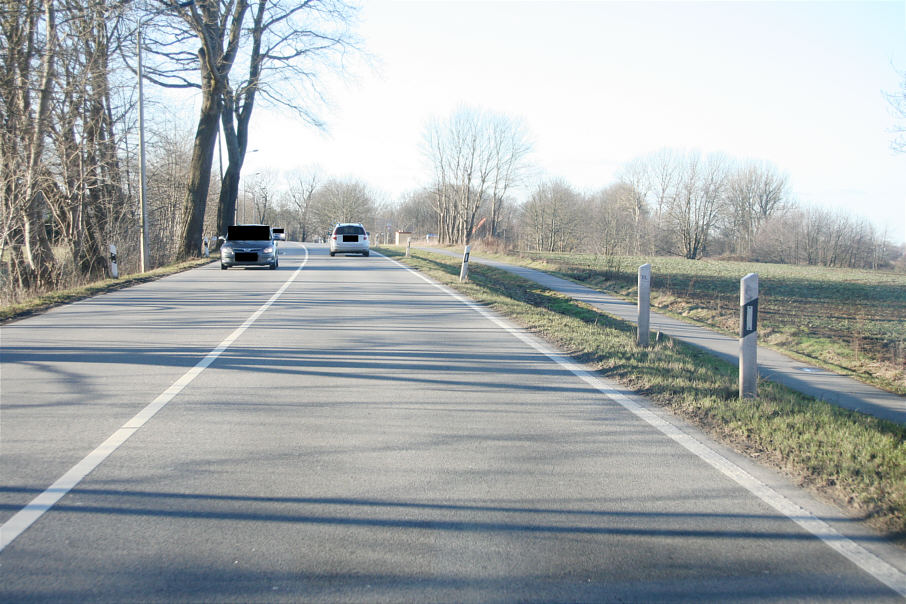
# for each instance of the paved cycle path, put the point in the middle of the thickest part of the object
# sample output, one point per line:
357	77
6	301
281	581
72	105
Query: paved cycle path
836	389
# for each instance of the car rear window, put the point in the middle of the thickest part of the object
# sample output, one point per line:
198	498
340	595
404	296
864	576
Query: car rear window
246	232
349	229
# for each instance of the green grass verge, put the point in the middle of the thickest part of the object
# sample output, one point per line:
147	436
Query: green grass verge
845	320
44	302
856	460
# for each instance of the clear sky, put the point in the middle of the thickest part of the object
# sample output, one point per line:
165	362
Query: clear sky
798	84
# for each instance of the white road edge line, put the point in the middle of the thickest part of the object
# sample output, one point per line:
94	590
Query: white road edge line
28	515
855	553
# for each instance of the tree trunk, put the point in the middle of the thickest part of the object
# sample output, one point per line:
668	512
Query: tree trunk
229	186
215	63
200	166
37	251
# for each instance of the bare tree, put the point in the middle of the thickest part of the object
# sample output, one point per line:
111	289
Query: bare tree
687	194
261	189
217	25
289	43
280	48
477	156
510	146
30	59
300	194
615	218
258	198
655	179
455	146
755	192
638	183
61	194
897	102
168	173
551	218
342	201
696	204
415	212
95	208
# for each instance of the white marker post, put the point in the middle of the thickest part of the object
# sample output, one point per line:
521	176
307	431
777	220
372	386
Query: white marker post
114	270
464	271
748	336
408	245
644	304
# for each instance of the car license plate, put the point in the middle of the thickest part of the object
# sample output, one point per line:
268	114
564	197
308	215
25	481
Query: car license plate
350	238
246	257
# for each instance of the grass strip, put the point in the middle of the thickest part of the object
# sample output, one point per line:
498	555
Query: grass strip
855	460
47	301
844	320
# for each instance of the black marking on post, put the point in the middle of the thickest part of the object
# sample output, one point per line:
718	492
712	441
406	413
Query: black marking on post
748	318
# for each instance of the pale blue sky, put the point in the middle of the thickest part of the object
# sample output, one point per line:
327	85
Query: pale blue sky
799	84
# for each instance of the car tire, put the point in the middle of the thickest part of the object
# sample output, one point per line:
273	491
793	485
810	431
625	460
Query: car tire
223	266
366	253
332	254
274	266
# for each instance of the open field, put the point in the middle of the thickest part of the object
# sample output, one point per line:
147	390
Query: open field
849	321
856	460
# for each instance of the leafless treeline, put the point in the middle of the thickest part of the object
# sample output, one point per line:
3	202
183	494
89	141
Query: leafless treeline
68	161
68	166
307	204
690	205
63	191
669	202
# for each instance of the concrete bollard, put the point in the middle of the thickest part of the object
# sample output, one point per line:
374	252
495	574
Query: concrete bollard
644	304
748	336
464	271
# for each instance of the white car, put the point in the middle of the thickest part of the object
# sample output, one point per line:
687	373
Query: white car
349	238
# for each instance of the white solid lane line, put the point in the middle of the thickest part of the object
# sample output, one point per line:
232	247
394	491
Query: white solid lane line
852	551
28	515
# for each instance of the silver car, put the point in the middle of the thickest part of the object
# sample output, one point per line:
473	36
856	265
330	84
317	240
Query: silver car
248	245
349	238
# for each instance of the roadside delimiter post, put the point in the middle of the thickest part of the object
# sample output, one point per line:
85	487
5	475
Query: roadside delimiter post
464	271
644	304
408	245
748	336
114	269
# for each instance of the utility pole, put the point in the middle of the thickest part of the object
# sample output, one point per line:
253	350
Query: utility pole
141	155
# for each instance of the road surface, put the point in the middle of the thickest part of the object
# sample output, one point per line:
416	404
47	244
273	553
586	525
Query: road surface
341	429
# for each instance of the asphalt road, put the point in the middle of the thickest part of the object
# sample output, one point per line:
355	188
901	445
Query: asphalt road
352	432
